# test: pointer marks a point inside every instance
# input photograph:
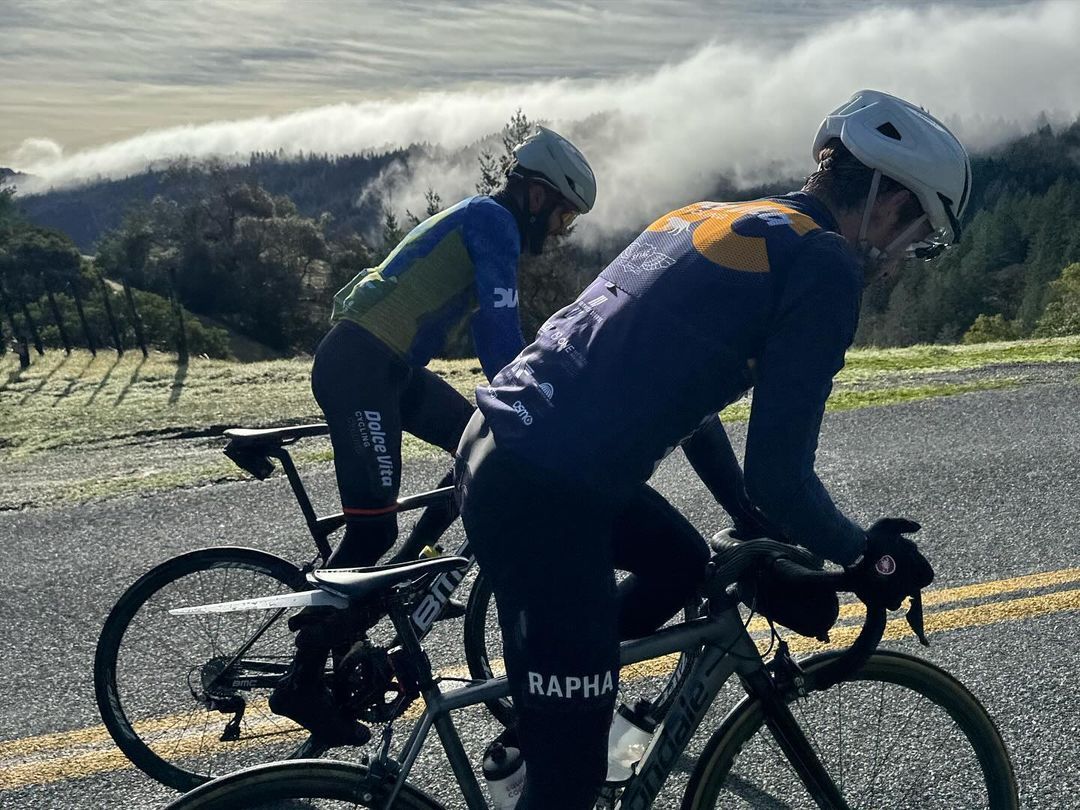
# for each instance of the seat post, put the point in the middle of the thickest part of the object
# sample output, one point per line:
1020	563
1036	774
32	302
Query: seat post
400	614
282	455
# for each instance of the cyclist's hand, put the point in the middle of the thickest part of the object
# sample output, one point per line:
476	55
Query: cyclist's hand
892	566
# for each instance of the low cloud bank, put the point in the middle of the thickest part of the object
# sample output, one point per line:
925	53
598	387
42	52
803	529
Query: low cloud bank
731	110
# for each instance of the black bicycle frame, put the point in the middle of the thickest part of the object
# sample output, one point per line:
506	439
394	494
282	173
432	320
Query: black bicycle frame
441	587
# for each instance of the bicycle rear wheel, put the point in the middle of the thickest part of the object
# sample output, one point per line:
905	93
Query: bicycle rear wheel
903	734
656	680
314	784
184	697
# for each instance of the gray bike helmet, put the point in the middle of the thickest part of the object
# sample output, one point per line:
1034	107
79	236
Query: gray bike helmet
550	158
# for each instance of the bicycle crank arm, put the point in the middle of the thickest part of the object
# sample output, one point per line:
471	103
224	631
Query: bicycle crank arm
285	600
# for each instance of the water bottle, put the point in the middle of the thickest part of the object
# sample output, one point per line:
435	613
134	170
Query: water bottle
504	770
631	732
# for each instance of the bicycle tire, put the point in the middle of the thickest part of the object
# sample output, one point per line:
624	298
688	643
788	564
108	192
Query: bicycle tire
480	667
140	738
719	779
273	785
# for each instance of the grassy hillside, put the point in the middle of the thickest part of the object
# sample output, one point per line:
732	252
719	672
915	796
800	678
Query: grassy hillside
110	408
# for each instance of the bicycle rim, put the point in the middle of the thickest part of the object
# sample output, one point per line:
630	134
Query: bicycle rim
656	680
155	673
307	784
902	734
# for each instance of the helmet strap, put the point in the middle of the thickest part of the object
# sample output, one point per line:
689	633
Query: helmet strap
868	208
906	236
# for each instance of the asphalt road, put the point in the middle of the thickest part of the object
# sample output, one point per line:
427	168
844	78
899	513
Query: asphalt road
994	477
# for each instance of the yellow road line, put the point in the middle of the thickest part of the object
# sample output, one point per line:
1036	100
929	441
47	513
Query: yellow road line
96	734
895	629
77	765
979	590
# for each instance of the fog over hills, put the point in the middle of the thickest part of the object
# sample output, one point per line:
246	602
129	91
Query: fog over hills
744	110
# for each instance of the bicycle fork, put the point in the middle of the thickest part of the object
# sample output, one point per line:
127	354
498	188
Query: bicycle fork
793	742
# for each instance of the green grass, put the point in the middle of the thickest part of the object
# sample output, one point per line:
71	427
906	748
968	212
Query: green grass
112	408
864	363
63	401
860	398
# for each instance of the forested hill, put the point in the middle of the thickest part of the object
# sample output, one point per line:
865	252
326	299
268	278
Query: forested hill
1021	230
245	243
315	184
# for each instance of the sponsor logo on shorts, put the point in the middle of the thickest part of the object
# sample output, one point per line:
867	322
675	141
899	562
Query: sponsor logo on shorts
571	686
373	437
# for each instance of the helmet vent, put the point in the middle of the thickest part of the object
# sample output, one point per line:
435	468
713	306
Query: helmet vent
889	131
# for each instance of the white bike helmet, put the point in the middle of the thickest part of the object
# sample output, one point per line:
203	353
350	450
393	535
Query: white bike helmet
906	143
547	156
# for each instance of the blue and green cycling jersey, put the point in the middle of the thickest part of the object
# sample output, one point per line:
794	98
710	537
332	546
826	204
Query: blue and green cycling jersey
457	267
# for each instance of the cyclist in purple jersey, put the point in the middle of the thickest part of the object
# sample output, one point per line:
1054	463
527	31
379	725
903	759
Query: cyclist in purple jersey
709	301
456	269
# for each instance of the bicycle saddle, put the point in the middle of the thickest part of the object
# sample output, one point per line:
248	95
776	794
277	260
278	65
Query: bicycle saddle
363	583
256	437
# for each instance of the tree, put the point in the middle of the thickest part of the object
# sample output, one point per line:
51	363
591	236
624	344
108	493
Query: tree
989	328
493	167
391	232
1062	313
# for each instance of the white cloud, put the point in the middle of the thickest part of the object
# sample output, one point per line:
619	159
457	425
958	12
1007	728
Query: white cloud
664	136
41	152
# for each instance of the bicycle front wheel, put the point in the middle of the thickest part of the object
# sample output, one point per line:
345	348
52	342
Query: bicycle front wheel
312	784
184	697
902	734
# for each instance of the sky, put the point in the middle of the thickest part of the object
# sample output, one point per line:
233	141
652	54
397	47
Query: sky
662	95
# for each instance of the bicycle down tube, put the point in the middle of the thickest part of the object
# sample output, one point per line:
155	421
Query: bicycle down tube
728	648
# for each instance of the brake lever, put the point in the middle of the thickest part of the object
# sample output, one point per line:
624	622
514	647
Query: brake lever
915	619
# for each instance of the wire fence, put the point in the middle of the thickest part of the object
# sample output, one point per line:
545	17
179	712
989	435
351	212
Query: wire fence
21	331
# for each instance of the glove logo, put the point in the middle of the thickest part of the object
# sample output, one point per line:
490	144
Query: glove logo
885	565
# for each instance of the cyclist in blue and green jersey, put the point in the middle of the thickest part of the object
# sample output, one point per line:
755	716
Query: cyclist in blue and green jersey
457	269
709	301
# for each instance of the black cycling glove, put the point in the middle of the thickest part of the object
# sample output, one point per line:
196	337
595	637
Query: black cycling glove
892	567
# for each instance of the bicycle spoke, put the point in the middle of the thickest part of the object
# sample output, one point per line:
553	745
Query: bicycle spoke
166	664
921	755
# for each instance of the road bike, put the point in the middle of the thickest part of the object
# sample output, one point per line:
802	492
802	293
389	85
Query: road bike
185	697
855	728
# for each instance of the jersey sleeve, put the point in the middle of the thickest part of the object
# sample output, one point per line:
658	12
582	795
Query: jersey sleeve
492	240
813	326
709	452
